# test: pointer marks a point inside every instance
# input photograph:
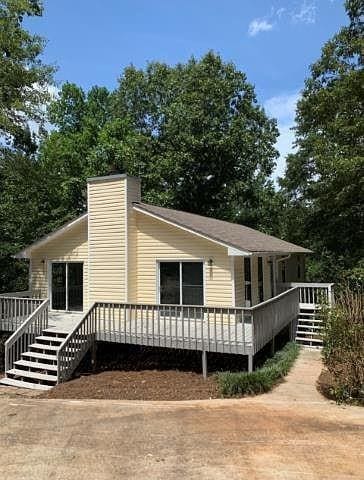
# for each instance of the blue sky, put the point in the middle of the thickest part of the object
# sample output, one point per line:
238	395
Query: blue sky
272	41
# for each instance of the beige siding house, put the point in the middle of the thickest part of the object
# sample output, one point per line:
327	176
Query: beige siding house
133	273
125	251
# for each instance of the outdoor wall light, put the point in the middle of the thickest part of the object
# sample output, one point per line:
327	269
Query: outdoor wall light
210	262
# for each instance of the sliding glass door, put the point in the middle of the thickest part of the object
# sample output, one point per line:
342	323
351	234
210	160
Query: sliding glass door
67	286
181	283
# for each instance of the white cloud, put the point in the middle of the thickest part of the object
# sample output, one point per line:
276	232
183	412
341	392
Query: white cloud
259	25
283	108
306	13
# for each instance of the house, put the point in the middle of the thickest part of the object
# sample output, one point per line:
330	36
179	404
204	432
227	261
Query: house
131	272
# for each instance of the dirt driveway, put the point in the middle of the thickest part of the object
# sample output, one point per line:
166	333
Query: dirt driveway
291	433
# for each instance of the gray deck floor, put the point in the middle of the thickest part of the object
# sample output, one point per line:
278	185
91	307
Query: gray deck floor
165	332
185	334
63	321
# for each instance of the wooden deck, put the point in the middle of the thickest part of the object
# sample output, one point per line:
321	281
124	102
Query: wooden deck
233	330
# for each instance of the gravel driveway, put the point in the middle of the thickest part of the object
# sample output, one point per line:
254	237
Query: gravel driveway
291	433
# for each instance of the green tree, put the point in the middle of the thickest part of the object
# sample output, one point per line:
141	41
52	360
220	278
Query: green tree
324	180
86	142
24	90
204	145
24	80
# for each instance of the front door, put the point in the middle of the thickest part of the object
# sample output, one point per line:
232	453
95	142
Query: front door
67	286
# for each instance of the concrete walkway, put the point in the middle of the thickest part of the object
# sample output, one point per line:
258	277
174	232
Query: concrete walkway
291	433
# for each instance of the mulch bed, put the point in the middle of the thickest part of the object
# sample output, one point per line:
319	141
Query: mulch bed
137	385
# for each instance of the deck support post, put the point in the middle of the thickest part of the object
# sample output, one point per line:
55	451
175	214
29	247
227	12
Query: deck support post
250	363
292	327
204	364
93	355
273	345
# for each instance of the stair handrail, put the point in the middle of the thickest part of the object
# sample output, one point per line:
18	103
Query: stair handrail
66	364
19	341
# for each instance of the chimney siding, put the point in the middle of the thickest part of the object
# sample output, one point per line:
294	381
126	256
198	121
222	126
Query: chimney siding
109	213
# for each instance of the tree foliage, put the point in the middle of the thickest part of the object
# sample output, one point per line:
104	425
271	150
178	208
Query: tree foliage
205	144
324	181
24	80
194	133
24	83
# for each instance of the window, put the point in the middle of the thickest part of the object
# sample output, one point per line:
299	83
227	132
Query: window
283	271
181	283
248	281
260	279
271	276
299	269
67	286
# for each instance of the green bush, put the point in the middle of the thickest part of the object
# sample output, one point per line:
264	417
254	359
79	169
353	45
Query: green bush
343	351
262	380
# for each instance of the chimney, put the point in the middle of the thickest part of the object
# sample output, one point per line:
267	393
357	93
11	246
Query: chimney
110	230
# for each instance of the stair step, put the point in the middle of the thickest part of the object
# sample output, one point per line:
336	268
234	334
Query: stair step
50	332
313	327
310	320
33	375
302	332
310	314
316	340
36	365
11	382
44	338
42	356
41	346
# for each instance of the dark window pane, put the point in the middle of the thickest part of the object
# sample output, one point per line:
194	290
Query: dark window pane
260	269
59	286
247	270
261	293
75	286
260	279
271	276
169	283
192	283
283	272
248	292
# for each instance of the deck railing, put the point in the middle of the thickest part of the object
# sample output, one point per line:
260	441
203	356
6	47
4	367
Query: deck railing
75	345
14	310
219	329
22	294
271	316
311	294
25	334
239	330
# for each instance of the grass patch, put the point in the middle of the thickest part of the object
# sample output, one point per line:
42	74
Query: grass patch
262	380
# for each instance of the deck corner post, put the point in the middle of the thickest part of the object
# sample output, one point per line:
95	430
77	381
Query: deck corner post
250	363
204	364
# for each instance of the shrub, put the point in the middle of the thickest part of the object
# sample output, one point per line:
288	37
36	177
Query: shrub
262	380
343	352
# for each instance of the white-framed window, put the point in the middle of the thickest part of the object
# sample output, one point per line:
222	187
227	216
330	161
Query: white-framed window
181	282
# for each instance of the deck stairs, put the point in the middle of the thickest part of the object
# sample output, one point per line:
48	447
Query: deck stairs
37	367
309	325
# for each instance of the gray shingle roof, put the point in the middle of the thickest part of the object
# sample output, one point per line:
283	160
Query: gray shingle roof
232	234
